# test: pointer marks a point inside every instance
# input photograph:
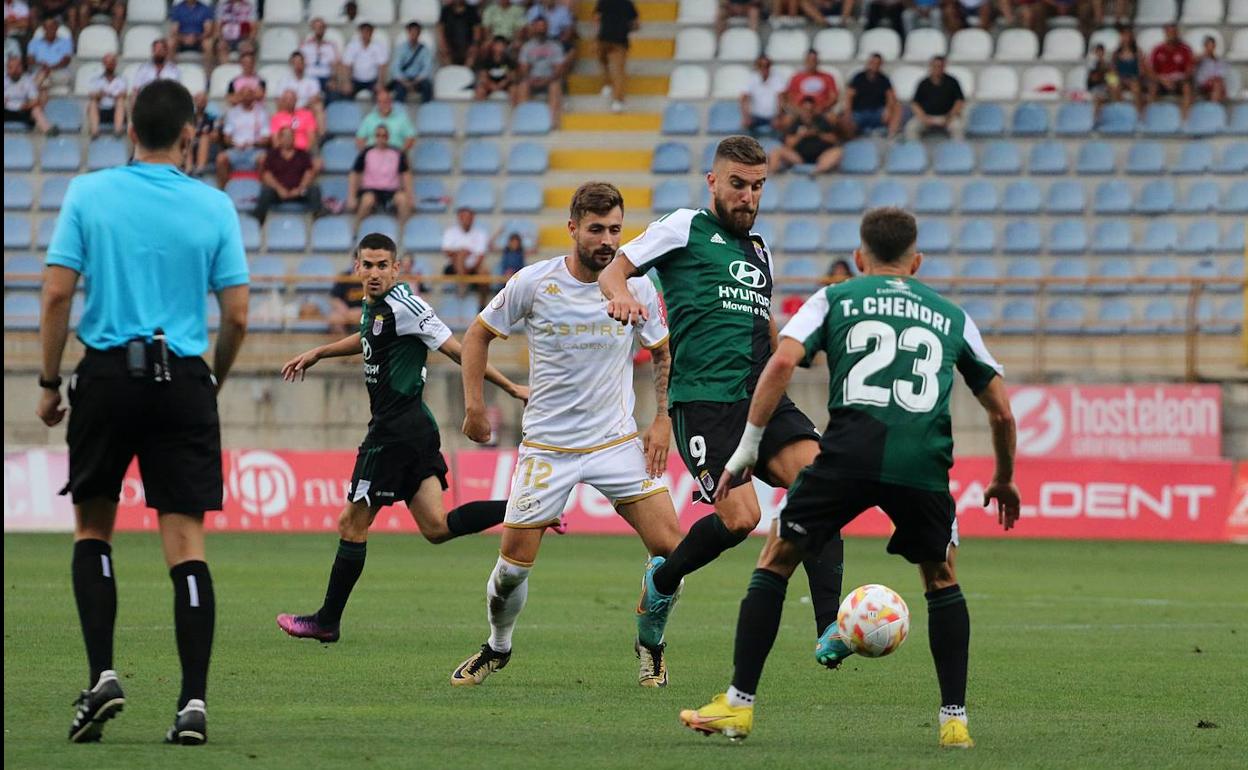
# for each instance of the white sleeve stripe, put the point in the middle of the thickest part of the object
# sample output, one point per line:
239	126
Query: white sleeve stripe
807	321
974	340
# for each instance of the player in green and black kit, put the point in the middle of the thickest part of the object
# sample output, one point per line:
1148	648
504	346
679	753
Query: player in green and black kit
717	286
892	346
401	457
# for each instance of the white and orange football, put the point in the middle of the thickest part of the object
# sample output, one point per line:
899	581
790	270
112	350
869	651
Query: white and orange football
873	620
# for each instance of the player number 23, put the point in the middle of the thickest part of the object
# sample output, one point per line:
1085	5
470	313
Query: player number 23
536	472
887	341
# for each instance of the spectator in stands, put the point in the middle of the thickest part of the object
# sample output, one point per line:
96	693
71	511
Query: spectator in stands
236	23
1080	10
760	101
300	120
245	80
1030	15
114	10
464	244
61	10
380	177
957	14
752	10
320	55
191	28
504	19
364	61
1099	77
928	13
1127	69
560	24
413	67
345	301
887	13
542	62
307	89
839	271
616	19
459	33
1211	73
12	47
288	175
1171	66
106	99
811	82
937	105
49	55
871	102
23	100
496	71
17	22
207	141
1124	11
160	67
245	135
810	138
399	130
350	10
512	260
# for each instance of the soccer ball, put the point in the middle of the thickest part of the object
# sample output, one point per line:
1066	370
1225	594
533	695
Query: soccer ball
873	620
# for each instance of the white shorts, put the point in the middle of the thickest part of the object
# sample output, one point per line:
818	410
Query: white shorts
543	479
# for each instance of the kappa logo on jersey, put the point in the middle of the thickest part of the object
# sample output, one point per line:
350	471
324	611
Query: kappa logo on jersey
379	323
552	289
747	275
647	484
717	238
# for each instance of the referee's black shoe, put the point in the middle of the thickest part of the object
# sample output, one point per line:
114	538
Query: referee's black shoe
95	707
190	726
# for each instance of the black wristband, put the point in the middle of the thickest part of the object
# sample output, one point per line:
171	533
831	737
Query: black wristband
52	384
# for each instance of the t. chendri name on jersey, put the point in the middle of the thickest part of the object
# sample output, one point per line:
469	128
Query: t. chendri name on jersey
909	307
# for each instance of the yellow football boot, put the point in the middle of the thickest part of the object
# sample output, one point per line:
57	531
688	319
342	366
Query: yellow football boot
954	735
734	723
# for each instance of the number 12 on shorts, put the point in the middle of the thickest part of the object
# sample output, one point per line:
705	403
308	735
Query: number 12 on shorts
535	473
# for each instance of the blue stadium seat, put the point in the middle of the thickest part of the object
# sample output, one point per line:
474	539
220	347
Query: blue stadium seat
906	158
1194	158
333	190
1161	118
435	119
1232	241
933	196
979	269
1116	268
525	228
845	196
527	158
1068	236
431	195
1239	120
316	272
531	119
671	194
842	236
708	156
1114	316
1001	157
21	311
484	119
422	235
1234	159
61	154
338	155
1117	119
1065	316
1112	197
768	202
1146	158
343	117
1201	197
1022	237
286	232
1162	316
1206	268
19	194
65	114
385	224
861	157
476	194
1065	196
1021	197
1205	119
763	228
937	273
888	192
1095	158
801	196
671	158
1048	158
332	233
1231	313
794	268
522	196
680	119
1156	197
23	264
19	153
934	236
432	156
985	119
1112	236
978	197
1029	119
1226	319
251	232
1074	119
801	236
1236	199
480	156
1018	316
1200	237
267	269
954	157
107	152
1161	236
1022	276
43	233
243	192
982	312
976	236
724	118
1070	269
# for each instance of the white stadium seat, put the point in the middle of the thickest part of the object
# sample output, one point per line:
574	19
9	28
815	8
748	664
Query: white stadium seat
1239	46
424	11
379	12
1042	82
700	12
272	74
835	44
1148	39
695	44
335	36
1077	80
1237	13
966	78
1107	37
905	79
739	44
95	41
1017	45
1202	12
971	45
1155	12
453	83
922	44
1195	37
997	84
329	10
1063	45
192	76
147	12
689	81
881	40
730	81
788	45
86	72
138	42
278	43
222	74
283	12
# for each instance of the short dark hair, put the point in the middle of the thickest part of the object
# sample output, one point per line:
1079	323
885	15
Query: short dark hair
888	233
161	109
296	53
742	149
415	24
595	198
377	242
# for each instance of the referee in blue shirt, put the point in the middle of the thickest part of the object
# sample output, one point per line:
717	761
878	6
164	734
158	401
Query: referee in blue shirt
150	244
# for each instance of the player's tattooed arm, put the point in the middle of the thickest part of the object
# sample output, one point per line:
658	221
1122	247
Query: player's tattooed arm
297	367
657	440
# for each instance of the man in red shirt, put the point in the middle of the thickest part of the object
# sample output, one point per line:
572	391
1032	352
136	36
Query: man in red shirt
288	175
1172	64
813	84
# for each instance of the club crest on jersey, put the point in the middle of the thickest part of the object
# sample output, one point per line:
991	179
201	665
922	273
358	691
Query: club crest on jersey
760	251
708	483
378	323
747	275
552	289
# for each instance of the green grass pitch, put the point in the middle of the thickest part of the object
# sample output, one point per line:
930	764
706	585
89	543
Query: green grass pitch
1083	655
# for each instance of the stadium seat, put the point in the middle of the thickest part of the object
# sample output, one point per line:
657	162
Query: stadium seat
1232	241
61	154
764	229
1206	119
1018	316
982	312
1029	120
1112	197
219	84
933	196
1042	82
801	236
695	44
19	153
531	119
1236	200
379	223
671	158
267	269
1195	157
936	272
953	157
976	237
881	40
970	46
979	197
277	43
768	202
1113	316
23	264
480	156
137	43
680	119
1156	197
1213	320
1001	157
343	117
671	194
1111	236
708	156
1234	159
985	120
422	235
332	233
435	119
924	43
21	310
424	11
17	231
835	44
484	119
65	114
43	233
787	45
906	158
979	270
934	236
845	196
97	40
842	236
1203	196
475	194
1161	118
1161	315
800	196
1065	197
1147	158
1074	119
251	232
1063	45
1239	113
431	156
1048	157
1200	237
19	193
861	156
688	81
1095	158
739	44
1117	119
106	152
888	192
1161	236
338	155
275	11
1022	237
729	81
243	192
522	196
1017	46
452	83
724	118
1022	196
379	12
316	272
1116	268
1065	316
286	232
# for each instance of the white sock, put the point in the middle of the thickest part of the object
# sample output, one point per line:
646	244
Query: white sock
505	593
952	712
737	699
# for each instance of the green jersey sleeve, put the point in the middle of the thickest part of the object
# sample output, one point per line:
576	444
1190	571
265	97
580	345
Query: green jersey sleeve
976	364
661	238
414	317
809	325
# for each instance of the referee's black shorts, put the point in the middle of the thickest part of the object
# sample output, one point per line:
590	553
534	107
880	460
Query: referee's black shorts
172	427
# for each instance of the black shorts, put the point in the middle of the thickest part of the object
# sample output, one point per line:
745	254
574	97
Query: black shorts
383	197
388	473
107	114
707	433
19	116
822	501
172	427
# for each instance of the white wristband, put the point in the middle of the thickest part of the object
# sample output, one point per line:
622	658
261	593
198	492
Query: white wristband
747	450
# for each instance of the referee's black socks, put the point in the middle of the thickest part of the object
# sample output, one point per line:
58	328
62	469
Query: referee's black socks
476	516
824	571
348	566
194	619
949	636
95	591
757	625
707	538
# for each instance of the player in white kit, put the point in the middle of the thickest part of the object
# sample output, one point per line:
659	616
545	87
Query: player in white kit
578	424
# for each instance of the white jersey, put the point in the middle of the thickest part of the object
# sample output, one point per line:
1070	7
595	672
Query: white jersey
581	372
